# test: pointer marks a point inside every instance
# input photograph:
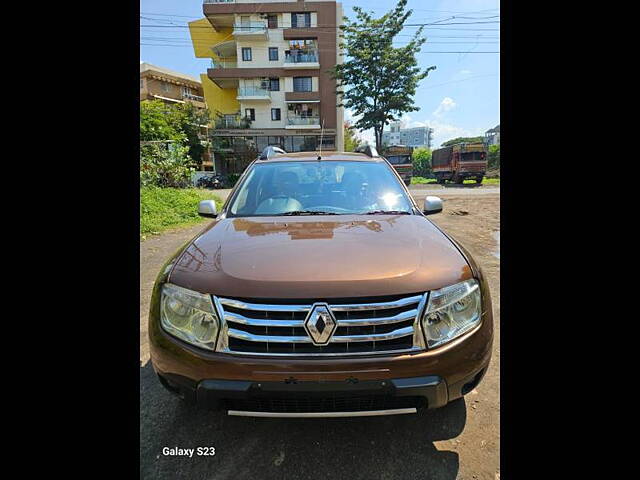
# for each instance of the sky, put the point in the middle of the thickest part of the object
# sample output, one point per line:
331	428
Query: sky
460	98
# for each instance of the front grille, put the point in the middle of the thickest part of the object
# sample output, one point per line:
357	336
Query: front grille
312	404
367	326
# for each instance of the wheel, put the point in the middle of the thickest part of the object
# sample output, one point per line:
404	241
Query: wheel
479	179
457	179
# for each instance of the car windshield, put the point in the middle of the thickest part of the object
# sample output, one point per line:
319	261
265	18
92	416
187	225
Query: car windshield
317	188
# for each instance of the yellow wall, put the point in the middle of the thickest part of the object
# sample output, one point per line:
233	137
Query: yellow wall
203	37
218	99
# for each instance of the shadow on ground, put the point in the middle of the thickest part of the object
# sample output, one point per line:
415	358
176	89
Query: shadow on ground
376	447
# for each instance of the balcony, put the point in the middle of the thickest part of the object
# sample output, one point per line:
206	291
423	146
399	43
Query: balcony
302	122
254	30
195	98
224	64
253	93
301	59
232	121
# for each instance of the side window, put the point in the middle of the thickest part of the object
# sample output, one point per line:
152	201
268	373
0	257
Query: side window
275	114
274	84
250	113
246	54
273	53
272	21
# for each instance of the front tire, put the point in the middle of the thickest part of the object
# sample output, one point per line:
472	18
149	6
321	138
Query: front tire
479	179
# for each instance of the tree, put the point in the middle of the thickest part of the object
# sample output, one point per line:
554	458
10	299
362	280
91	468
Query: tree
378	81
351	140
493	158
463	140
180	123
158	122
421	158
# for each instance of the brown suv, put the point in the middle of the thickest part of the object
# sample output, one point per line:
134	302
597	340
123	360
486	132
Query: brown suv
321	289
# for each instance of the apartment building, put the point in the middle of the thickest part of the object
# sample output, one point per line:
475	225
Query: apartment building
159	83
492	136
268	83
411	137
171	87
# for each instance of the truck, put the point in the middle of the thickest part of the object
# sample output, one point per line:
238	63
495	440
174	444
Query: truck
459	162
399	156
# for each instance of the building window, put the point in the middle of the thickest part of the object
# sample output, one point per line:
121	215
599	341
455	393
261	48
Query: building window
141	84
272	21
166	87
302	84
299	20
246	54
274	84
273	53
300	110
250	113
275	114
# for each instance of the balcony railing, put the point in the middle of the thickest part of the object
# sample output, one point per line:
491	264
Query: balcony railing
190	96
253	92
303	120
250	27
224	64
232	122
301	56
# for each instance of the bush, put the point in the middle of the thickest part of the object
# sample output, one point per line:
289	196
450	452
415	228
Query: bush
162	208
493	157
163	166
421	158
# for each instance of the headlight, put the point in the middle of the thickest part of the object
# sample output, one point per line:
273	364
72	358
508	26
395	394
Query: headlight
189	316
451	311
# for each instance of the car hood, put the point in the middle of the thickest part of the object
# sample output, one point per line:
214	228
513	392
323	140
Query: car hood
320	257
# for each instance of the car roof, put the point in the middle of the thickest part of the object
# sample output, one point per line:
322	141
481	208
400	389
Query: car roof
325	156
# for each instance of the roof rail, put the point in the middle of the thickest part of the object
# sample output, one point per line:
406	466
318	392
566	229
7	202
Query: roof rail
368	150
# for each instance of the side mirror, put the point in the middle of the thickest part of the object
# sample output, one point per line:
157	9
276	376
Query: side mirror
432	205
207	208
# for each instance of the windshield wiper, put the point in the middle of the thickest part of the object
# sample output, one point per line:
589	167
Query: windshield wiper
388	212
308	212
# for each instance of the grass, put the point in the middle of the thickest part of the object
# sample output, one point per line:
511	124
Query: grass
165	208
422	180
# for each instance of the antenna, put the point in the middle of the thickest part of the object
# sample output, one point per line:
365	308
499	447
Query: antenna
321	137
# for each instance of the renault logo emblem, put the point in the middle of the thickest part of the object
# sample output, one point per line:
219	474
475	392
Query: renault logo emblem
320	324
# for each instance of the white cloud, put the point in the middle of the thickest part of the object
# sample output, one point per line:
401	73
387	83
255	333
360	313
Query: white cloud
464	72
446	105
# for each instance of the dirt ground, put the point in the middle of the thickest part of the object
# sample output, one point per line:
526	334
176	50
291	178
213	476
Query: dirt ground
459	441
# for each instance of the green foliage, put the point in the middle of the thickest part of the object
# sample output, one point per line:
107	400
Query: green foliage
376	80
351	140
422	180
165	166
232	178
421	158
463	140
180	123
493	156
163	208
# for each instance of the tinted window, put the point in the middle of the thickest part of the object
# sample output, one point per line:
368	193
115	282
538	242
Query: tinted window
339	187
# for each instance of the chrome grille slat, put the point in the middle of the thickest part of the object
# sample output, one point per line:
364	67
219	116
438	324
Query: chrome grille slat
371	327
401	332
258	322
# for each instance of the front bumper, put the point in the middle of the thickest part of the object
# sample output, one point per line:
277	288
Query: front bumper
320	399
